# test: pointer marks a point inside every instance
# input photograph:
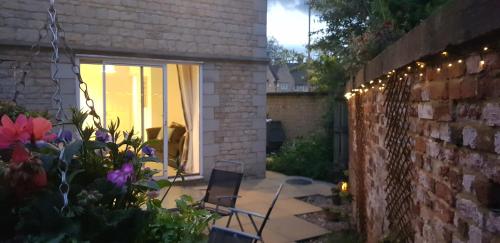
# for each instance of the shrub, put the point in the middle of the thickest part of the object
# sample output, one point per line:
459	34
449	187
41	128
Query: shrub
109	186
309	157
187	225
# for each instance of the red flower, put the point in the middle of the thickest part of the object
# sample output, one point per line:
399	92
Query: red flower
11	133
41	129
20	154
40	179
27	177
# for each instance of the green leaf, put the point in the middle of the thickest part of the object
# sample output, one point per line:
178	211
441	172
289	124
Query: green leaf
163	183
71	149
149	159
73	174
95	145
148	184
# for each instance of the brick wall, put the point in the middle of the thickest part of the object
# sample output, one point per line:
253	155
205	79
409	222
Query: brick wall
454	128
229	37
300	113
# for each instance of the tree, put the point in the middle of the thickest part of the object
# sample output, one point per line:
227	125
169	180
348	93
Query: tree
358	30
281	55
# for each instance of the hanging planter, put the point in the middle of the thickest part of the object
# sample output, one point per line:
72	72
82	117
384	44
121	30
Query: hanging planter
64	182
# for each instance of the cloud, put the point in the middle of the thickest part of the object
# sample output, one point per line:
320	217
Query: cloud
300	5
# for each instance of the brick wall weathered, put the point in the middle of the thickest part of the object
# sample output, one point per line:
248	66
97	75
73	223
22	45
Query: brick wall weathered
454	129
300	113
229	37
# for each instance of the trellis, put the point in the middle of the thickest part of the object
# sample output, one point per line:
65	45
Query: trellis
359	167
399	167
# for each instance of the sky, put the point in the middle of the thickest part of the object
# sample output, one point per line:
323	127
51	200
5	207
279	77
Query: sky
287	21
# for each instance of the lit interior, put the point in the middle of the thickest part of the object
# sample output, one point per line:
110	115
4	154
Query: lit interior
139	105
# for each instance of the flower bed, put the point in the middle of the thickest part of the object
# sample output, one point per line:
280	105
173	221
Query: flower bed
84	184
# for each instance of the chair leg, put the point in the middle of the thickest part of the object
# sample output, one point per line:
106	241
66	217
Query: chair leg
239	222
229	220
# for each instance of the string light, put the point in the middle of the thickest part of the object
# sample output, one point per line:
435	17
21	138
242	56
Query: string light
419	64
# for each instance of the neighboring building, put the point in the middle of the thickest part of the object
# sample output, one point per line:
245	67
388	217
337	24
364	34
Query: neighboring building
148	62
287	78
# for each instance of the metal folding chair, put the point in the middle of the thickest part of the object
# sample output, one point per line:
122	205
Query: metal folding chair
245	237
222	190
226	235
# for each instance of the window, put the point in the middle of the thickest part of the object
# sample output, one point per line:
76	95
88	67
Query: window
161	102
283	86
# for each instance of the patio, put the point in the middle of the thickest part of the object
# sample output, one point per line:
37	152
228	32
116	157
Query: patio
257	194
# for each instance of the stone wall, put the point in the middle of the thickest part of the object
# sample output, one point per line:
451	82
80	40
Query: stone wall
300	113
198	28
454	129
229	37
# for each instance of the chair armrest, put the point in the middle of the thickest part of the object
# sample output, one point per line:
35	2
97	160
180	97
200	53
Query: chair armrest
224	197
237	210
252	236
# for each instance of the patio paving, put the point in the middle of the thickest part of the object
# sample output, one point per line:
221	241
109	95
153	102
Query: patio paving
257	195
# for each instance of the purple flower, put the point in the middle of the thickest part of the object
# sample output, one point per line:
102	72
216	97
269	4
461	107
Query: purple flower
129	155
65	136
148	150
119	177
102	136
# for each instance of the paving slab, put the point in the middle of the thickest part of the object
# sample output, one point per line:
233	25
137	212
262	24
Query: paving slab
257	195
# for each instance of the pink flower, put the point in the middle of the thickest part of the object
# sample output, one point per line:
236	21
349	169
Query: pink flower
121	176
41	129
20	154
11	133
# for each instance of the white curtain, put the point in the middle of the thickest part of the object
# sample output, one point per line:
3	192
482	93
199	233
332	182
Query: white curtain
188	84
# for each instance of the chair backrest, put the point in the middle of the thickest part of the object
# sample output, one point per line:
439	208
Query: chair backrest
226	235
223	184
259	233
230	165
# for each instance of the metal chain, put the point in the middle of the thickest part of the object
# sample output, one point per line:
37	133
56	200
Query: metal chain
26	68
57	37
54	41
56	97
82	85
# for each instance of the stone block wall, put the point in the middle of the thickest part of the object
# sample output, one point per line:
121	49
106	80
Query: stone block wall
215	28
301	114
228	37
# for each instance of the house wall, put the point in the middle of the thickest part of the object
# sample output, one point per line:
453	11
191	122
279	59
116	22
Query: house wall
301	114
229	37
453	130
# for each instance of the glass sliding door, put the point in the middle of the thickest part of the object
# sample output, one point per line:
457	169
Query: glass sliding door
160	102
123	99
